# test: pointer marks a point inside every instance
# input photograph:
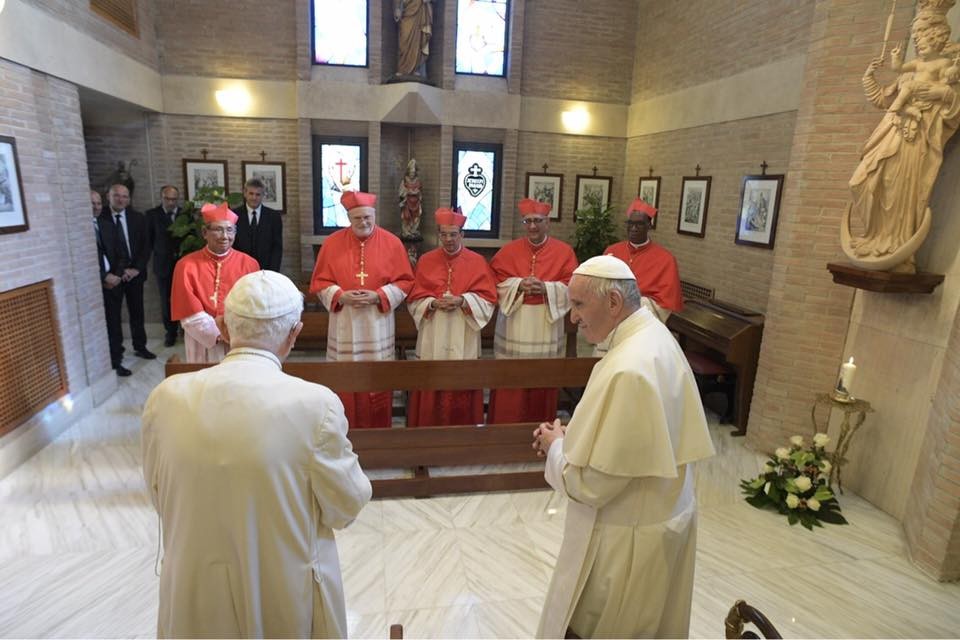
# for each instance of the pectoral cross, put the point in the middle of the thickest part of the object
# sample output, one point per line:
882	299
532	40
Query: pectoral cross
533	265
449	278
362	276
216	287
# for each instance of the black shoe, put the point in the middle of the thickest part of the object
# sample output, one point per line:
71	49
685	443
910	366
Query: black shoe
122	371
146	355
170	340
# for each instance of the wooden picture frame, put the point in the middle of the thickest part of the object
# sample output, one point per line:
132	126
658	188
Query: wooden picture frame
759	210
694	205
198	174
547	187
274	177
13	205
588	187
647	186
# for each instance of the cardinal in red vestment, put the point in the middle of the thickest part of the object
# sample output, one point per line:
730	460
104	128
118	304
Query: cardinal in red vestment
654	267
532	275
201	281
361	276
453	298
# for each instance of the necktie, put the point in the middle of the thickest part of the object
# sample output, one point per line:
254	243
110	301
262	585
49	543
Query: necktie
123	251
253	229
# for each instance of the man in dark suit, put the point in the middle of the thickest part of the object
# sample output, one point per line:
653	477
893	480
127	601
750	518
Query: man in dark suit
165	249
259	228
123	234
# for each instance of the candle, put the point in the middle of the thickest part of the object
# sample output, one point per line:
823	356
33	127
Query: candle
847	371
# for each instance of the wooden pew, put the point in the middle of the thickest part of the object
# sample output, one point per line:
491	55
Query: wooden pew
423	447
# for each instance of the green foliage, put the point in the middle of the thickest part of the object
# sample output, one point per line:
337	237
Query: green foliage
188	225
595	230
779	485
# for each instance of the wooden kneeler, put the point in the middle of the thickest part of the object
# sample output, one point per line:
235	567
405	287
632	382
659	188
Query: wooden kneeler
420	448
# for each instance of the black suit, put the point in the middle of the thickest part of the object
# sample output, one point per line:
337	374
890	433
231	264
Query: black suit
139	254
165	249
266	244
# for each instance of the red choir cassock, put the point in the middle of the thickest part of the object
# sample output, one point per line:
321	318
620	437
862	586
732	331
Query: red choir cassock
466	274
202	280
376	263
654	267
552	262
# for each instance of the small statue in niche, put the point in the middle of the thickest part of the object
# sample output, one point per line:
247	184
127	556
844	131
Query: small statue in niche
414	20
411	207
121	176
899	164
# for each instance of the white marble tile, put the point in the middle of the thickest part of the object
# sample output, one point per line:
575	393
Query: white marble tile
537	506
508	618
480	509
362	566
425	569
502	563
412	514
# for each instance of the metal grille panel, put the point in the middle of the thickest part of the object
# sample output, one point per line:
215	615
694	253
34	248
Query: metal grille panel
32	373
692	291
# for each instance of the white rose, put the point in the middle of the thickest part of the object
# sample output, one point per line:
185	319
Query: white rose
766	488
821	440
813	504
803	483
796	441
783	453
825	467
793	501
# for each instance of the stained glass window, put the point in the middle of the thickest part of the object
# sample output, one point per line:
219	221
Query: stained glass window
340	166
340	32
482	36
477	187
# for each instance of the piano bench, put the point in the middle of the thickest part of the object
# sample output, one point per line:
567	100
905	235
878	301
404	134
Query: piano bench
714	376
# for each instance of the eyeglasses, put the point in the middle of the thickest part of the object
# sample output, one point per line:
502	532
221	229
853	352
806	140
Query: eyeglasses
449	236
222	231
637	223
536	221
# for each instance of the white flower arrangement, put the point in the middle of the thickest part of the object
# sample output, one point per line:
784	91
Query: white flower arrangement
795	481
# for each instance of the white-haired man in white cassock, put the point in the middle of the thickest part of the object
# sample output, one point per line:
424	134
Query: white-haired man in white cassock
250	470
626	564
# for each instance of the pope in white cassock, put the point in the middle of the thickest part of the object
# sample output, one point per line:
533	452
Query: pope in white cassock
626	564
250	470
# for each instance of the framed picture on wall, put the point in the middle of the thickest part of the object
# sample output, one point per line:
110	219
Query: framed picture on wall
592	191
203	174
694	202
547	187
274	178
759	210
649	190
13	209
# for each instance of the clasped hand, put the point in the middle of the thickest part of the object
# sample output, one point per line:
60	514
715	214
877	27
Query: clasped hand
532	286
546	434
359	297
448	303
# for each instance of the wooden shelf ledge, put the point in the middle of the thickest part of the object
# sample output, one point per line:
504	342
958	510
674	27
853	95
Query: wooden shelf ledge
883	281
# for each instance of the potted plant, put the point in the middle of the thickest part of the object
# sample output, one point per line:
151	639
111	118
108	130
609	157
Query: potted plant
595	229
795	482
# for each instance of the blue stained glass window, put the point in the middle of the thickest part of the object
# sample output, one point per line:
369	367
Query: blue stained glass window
482	36
477	187
340	32
339	166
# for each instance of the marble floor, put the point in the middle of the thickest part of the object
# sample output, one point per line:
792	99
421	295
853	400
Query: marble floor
78	544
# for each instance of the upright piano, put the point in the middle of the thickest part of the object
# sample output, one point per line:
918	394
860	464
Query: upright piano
729	334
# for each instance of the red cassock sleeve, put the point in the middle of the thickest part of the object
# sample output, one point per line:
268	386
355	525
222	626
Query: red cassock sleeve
471	274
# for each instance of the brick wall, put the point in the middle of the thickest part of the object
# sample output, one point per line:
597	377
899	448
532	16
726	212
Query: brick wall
43	114
230	38
808	314
395	148
77	13
932	520
426	149
569	155
727	152
682	44
579	51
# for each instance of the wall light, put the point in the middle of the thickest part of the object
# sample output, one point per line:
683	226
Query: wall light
576	120
235	100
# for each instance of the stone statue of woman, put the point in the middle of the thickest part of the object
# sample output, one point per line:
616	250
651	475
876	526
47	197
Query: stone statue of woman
414	20
899	165
411	207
